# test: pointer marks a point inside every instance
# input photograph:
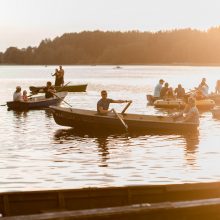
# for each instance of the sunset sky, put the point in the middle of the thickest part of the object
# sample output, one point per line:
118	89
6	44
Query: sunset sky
27	22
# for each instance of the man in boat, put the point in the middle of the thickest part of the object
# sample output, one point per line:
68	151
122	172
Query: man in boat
190	112
49	90
180	92
104	102
202	91
61	75
17	94
164	91
58	78
158	88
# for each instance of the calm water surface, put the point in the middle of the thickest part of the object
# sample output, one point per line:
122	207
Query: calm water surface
36	153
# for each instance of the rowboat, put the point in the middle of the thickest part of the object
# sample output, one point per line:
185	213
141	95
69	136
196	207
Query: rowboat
37	102
172	201
90	120
204	104
67	88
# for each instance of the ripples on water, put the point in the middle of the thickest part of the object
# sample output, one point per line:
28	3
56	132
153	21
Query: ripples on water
37	154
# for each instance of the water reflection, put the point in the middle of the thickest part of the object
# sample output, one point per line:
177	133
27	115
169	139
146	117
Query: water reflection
192	143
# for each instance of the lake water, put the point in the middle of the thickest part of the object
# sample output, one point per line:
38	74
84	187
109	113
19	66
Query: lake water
36	153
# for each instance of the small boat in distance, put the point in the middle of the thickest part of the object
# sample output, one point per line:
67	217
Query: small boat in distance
71	88
89	120
38	102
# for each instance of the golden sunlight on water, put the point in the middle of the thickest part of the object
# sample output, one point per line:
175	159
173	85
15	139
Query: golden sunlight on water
37	153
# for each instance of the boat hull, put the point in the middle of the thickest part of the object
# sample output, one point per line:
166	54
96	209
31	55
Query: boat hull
135	123
206	104
73	88
36	103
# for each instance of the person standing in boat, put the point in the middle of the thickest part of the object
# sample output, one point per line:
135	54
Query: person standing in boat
158	88
49	90
104	102
58	78
179	91
17	94
61	72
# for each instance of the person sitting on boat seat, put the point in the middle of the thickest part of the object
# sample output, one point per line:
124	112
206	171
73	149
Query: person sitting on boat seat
158	88
170	93
179	91
17	94
202	90
217	87
164	90
24	96
190	112
49	90
104	102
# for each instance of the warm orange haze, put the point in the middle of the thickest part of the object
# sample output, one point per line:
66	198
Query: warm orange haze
110	109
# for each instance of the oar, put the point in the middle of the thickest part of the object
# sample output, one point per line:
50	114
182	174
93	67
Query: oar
62	100
126	107
121	120
3	105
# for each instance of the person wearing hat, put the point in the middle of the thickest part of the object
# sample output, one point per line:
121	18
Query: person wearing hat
17	94
158	88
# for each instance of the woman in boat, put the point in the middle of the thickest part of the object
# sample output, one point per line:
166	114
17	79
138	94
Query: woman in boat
190	112
180	92
170	93
58	78
104	102
17	94
49	90
24	96
217	87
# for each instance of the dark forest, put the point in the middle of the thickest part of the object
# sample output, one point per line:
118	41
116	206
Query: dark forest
176	47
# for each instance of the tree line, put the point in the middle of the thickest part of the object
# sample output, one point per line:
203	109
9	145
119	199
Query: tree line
184	46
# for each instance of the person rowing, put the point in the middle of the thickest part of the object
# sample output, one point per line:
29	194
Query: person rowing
104	102
190	112
49	90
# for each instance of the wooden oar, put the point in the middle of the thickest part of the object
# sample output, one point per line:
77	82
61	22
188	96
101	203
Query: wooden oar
64	86
62	100
3	105
126	107
121	120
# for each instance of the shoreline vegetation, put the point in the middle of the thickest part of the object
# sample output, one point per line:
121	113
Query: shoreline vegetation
183	47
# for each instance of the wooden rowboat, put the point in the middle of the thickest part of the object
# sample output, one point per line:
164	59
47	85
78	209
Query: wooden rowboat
37	102
204	104
188	201
71	88
91	120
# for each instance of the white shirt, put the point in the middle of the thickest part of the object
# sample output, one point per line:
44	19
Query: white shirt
157	90
17	96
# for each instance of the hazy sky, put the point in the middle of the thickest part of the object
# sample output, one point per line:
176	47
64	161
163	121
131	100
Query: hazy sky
27	22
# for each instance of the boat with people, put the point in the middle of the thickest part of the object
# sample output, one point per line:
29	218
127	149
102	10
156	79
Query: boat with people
67	88
37	102
89	120
203	104
188	200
